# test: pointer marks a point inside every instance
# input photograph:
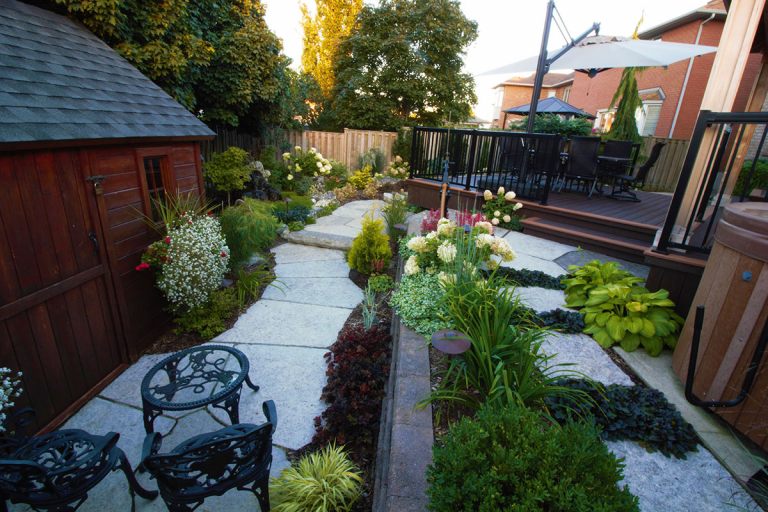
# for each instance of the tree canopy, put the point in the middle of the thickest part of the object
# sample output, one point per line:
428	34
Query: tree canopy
334	21
217	58
403	66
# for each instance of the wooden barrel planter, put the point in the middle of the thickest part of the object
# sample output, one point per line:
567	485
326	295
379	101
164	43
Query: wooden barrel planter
734	291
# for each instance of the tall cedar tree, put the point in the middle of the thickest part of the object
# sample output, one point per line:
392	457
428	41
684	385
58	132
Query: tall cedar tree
402	66
624	125
215	57
334	22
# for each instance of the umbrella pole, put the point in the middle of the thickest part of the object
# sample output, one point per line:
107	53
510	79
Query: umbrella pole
542	67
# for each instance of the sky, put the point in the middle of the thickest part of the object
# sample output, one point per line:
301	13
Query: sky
508	30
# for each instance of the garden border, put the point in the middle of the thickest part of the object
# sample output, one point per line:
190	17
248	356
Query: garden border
406	434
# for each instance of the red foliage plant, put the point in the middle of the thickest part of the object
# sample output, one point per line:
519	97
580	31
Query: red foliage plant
467	218
358	368
429	222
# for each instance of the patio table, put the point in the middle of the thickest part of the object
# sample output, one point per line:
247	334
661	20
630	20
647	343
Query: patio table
611	167
196	377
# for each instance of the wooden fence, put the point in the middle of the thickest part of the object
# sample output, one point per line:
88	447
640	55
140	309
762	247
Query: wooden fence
664	175
345	147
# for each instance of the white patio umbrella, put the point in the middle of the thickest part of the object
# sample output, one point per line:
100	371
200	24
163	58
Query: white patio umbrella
598	53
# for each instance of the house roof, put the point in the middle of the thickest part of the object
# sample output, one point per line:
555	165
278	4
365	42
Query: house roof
550	105
716	7
59	82
550	80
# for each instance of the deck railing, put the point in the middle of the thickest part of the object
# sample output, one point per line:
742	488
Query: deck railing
487	159
728	138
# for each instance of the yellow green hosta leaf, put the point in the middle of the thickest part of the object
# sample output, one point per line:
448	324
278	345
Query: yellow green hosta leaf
653	345
602	318
630	342
634	307
615	328
648	330
635	324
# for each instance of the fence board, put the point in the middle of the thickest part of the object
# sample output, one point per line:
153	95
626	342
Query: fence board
664	175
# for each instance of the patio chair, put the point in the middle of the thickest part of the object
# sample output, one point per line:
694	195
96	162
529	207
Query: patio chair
55	471
622	185
239	456
580	163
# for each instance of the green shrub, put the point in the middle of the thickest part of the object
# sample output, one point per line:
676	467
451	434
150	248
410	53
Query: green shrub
759	177
361	178
370	250
295	199
287	212
631	316
395	212
581	280
373	159
381	283
296	225
324	481
248	228
635	413
511	459
551	123
418	302
229	170
250	283
337	177
208	320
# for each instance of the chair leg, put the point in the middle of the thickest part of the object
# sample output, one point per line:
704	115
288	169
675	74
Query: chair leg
261	490
134	484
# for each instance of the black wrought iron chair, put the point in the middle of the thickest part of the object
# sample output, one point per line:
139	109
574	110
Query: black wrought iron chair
55	471
580	163
622	185
239	456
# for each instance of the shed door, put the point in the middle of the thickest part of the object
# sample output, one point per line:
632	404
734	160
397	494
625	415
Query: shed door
58	319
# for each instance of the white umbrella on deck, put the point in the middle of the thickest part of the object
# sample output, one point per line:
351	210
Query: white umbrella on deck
598	53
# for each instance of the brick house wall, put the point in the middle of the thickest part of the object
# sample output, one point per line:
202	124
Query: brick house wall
515	95
593	94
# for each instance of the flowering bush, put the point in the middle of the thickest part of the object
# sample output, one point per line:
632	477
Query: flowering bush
190	262
437	249
303	165
429	221
467	218
502	209
10	389
398	169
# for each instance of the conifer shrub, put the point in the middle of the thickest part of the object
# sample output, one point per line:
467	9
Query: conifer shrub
370	252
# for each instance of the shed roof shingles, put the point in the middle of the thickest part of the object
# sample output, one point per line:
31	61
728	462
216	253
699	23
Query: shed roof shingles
60	82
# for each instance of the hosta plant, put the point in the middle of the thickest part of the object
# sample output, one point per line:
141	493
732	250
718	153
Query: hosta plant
581	280
324	481
631	316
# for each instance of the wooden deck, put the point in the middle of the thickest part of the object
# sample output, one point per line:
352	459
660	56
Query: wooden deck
651	210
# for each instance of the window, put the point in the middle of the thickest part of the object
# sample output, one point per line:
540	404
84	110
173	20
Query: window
551	93
566	93
153	173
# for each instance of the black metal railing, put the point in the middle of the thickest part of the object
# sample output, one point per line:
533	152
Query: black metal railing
486	159
729	130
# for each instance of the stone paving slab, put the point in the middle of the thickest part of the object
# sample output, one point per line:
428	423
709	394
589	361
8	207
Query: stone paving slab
323	268
581	256
274	322
126	388
330	291
584	355
295	253
541	299
528	262
348	230
696	484
534	246
294	378
318	239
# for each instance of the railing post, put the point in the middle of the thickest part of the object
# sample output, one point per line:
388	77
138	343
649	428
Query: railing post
471	160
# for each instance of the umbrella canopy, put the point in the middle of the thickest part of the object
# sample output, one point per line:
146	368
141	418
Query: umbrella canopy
550	106
598	53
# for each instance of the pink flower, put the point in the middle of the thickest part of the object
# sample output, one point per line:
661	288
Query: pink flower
142	266
168	240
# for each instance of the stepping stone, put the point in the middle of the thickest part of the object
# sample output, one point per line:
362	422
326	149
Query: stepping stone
528	262
323	268
534	246
293	253
275	322
697	482
335	229
331	291
318	240
586	357
294	378
126	389
541	299
333	219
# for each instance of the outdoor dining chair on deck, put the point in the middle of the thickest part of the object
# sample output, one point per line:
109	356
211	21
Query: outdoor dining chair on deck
580	163
239	456
622	184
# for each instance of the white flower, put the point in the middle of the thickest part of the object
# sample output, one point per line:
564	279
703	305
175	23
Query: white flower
506	218
411	266
431	235
446	252
289	177
312	150
495	221
500	192
484	240
497	213
517	206
501	248
286	156
487	195
445	227
509	196
486	226
328	167
446	279
298	168
417	244
315	175
297	148
319	165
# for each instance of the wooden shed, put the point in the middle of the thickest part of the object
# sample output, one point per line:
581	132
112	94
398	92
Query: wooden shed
85	141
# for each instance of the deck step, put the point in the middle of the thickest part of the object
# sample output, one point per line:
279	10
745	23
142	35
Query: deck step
593	238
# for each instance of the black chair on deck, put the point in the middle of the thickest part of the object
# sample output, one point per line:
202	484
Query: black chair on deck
55	471
580	163
622	184
239	456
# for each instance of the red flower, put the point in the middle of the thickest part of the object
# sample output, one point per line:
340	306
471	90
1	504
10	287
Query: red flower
142	266
223	254
168	240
